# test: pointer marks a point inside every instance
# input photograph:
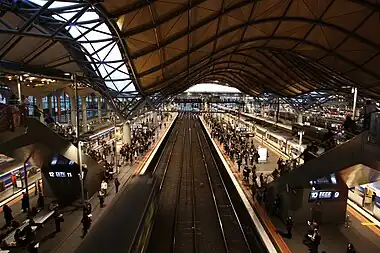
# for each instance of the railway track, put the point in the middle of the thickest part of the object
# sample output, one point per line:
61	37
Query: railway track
195	213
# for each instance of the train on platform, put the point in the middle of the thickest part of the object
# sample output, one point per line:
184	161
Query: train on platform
280	141
310	133
283	143
101	134
5	177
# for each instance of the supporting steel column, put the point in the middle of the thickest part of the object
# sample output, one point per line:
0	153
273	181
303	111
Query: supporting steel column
79	151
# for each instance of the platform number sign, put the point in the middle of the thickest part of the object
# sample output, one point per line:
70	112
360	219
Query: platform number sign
60	174
323	195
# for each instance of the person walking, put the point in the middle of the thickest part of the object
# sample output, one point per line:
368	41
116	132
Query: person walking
8	217
86	221
117	184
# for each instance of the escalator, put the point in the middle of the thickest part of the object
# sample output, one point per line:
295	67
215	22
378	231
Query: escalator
356	161
39	145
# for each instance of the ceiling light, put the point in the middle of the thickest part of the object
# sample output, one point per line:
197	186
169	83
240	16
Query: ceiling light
67	74
26	75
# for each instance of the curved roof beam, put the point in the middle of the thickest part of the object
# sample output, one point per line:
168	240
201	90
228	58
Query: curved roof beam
256	22
310	43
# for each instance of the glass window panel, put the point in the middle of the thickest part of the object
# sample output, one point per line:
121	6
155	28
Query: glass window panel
106	51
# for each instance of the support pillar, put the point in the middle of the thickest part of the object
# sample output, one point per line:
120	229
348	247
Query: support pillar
84	114
127	133
99	109
49	106
73	112
59	107
108	110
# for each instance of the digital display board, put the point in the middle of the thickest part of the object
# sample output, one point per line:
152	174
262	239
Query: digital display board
323	195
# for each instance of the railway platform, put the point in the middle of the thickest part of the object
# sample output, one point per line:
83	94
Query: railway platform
71	229
363	233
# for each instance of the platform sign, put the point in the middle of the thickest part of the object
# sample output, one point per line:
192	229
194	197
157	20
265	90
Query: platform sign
263	154
323	195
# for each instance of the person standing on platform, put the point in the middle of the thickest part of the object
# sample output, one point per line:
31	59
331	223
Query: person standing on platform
101	198
315	240
14	182
87	208
25	202
86	221
350	248
8	217
103	187
117	184
289	226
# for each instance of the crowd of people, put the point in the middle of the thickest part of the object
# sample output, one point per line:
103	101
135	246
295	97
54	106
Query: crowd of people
244	154
141	140
25	236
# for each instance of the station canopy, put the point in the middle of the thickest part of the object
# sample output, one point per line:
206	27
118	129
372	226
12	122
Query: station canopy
147	50
288	47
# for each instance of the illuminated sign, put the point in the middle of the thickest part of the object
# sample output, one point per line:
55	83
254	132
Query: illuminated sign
323	195
60	174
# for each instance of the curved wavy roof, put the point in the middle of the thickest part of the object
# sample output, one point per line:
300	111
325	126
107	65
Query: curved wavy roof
282	46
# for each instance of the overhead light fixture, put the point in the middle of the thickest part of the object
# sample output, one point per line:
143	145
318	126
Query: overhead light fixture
67	74
26	74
